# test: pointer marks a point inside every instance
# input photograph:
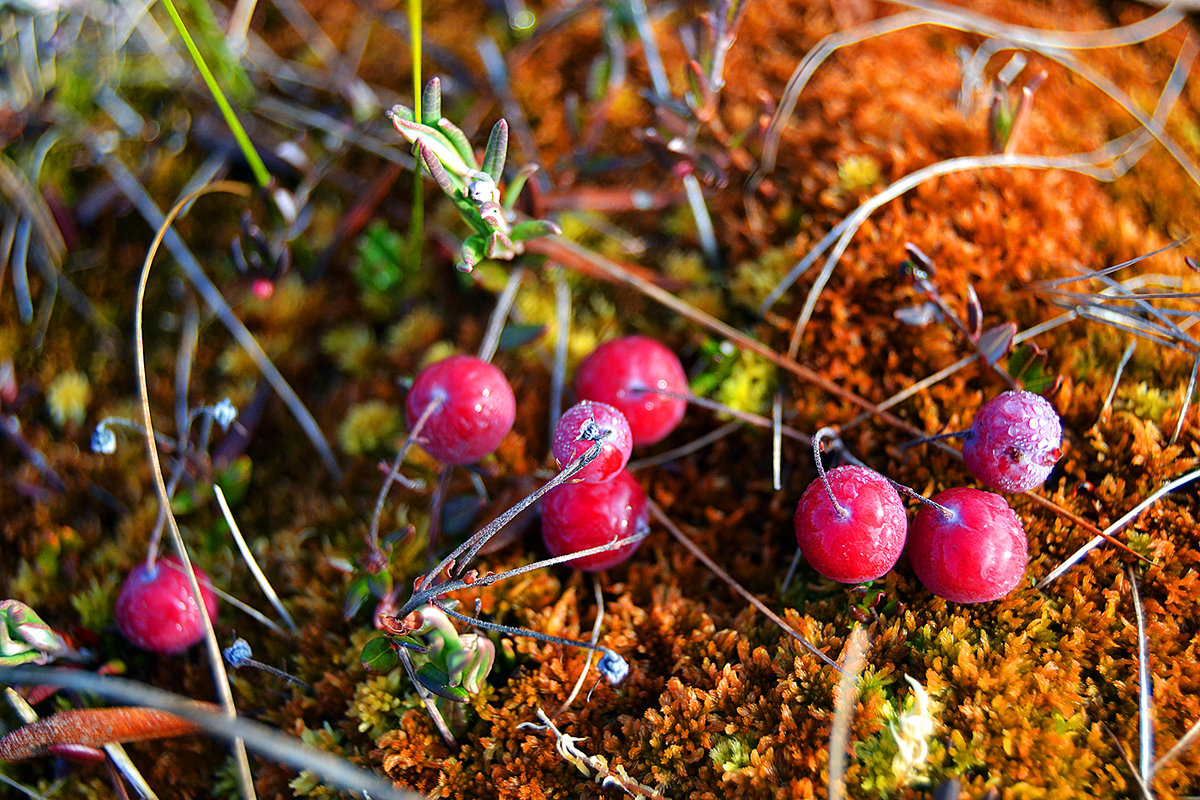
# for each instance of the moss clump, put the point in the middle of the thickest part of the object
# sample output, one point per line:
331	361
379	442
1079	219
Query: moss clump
369	427
67	398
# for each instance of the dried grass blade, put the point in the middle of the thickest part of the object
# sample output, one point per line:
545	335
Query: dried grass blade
846	697
1145	694
265	741
716	569
1133	514
248	557
136	193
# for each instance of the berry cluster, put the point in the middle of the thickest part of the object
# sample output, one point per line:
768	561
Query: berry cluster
617	386
965	545
460	408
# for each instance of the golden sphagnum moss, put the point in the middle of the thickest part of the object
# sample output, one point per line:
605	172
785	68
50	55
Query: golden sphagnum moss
1021	691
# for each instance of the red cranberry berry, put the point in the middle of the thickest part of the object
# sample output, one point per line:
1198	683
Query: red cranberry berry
579	516
156	610
476	408
1013	442
861	537
583	424
977	556
624	373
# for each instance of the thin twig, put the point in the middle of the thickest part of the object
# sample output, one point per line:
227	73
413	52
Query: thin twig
266	741
1145	693
212	647
248	557
703	557
1133	514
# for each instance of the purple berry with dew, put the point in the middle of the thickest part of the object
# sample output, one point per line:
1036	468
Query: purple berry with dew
625	374
1014	442
580	516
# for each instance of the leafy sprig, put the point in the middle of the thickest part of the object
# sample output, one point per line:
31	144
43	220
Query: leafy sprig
473	186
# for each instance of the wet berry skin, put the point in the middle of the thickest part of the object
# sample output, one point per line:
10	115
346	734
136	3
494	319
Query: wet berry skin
977	557
156	610
576	431
578	516
865	544
1013	442
616	370
478	408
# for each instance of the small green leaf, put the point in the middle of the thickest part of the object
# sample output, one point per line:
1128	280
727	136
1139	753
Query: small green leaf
436	141
533	229
471	252
431	101
380	583
410	643
457	138
497	150
995	341
438	682
436	170
401	112
25	637
500	247
514	336
356	596
379	656
518	183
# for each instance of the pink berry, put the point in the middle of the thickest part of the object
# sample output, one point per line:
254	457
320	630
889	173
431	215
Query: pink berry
579	516
477	408
864	544
619	371
978	556
156	610
1013	442
579	427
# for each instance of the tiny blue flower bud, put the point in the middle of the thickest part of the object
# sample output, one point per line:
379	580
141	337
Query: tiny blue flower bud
613	667
104	441
224	413
238	653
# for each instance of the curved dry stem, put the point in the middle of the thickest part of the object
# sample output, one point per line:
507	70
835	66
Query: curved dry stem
264	740
955	18
136	193
212	647
587	665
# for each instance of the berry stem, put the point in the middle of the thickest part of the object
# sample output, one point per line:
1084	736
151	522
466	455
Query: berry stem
465	553
937	437
607	653
239	655
900	487
375	554
949	515
825	432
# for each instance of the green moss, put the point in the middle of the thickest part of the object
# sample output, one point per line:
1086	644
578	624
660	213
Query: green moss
94	603
377	703
352	348
368	428
731	753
